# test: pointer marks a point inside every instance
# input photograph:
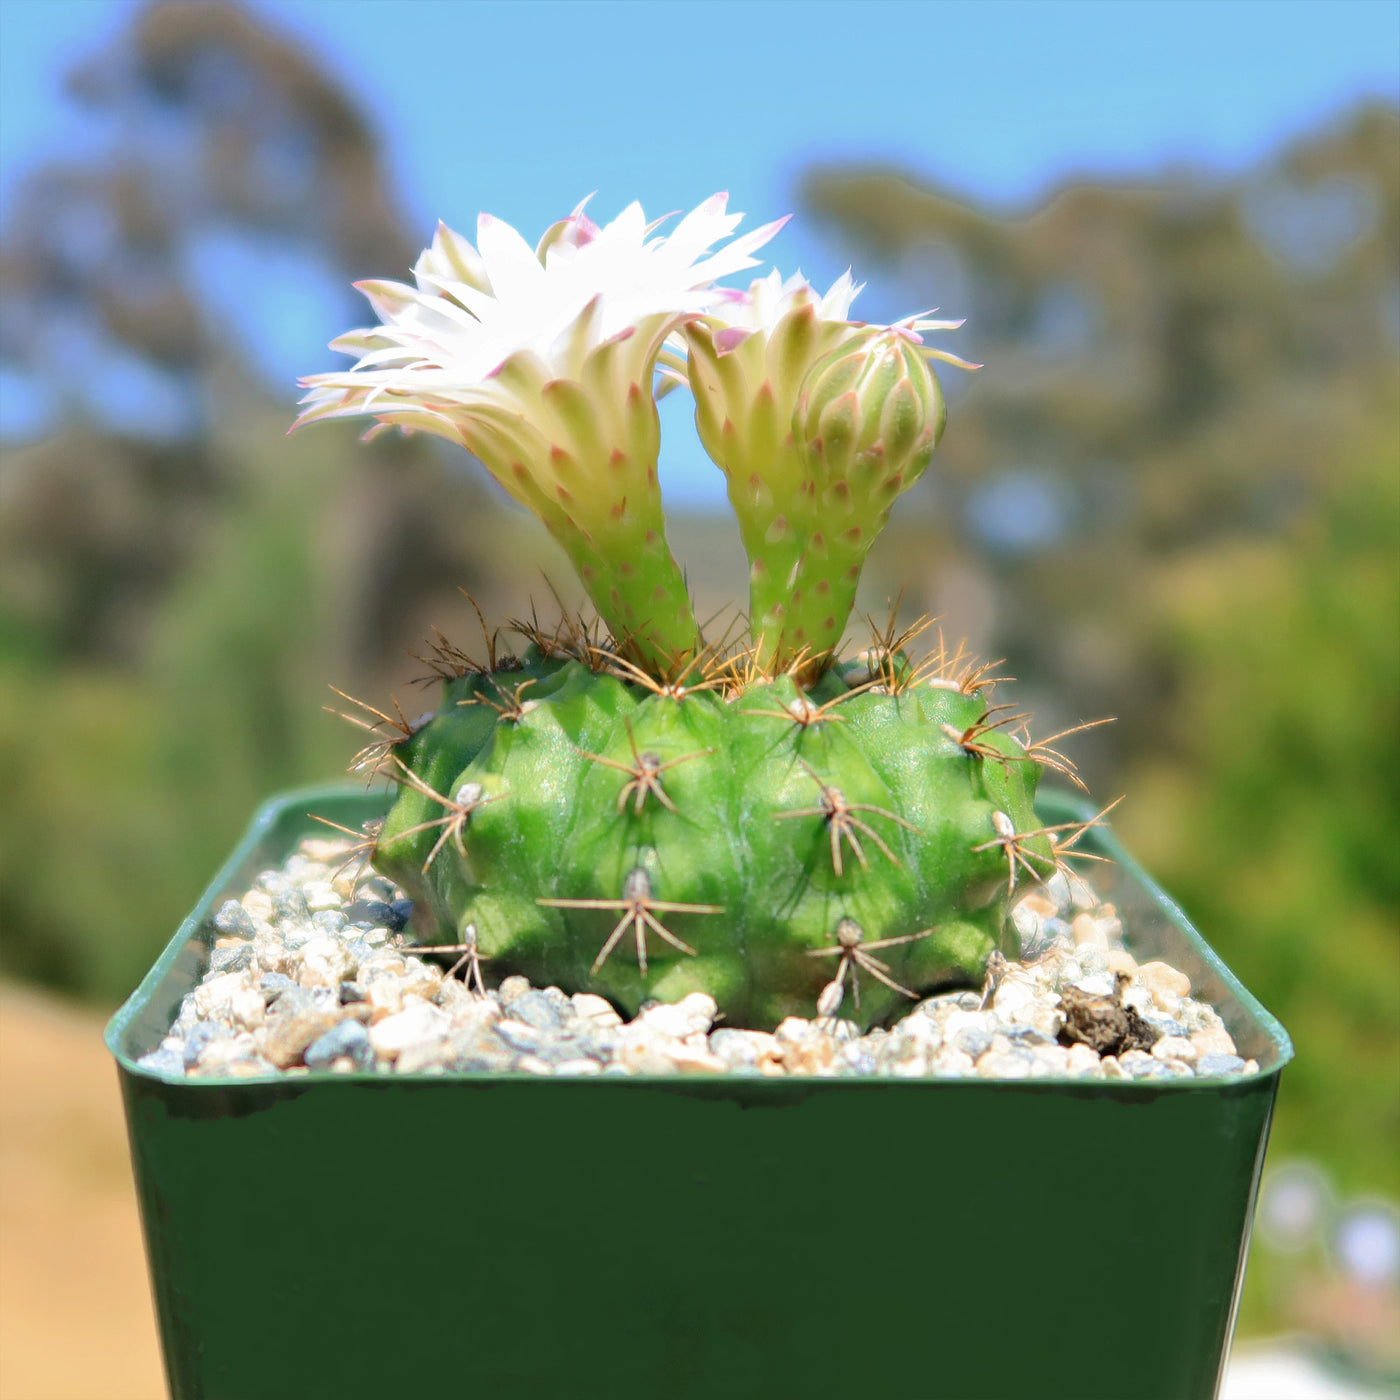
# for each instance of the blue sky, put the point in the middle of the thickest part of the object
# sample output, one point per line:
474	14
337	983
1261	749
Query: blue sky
522	108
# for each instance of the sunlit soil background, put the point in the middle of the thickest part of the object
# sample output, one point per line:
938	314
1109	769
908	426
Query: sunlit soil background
75	1305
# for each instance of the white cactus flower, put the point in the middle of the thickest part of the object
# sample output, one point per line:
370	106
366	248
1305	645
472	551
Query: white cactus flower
541	363
445	341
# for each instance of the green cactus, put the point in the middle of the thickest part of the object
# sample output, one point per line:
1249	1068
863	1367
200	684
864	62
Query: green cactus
649	840
646	816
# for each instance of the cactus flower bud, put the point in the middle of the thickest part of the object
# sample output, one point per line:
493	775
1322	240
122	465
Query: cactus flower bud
818	422
868	416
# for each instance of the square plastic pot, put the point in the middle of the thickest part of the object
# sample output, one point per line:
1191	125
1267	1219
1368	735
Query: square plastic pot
725	1237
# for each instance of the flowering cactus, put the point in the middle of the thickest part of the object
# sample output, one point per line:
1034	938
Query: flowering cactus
648	815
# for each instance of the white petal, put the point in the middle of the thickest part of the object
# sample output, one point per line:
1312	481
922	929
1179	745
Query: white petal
511	263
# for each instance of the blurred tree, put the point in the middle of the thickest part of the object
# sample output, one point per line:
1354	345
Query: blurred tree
1271	804
225	157
178	580
1167	366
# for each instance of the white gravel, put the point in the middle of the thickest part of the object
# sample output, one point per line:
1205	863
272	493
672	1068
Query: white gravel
310	972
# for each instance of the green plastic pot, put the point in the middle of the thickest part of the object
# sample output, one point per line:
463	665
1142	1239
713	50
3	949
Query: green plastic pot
782	1239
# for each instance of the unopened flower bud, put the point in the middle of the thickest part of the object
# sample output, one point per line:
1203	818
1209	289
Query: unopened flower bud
868	418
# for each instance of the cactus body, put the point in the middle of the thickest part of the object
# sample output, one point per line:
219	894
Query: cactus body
531	788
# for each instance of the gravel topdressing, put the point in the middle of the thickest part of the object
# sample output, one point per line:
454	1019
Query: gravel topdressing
313	971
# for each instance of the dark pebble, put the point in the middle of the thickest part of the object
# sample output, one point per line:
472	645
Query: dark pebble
974	1041
290	906
300	1001
376	913
537	1010
231	959
1025	1036
234	921
1099	1022
1165	1025
348	1038
1140	1035
1103	1023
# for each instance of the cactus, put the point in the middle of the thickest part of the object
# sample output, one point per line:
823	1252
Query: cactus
638	812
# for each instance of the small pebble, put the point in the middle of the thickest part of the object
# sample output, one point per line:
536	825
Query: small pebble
1011	1064
1215	1040
218	1055
535	1009
595	1009
1213	1066
348	1038
513	987
235	920
287	1035
1087	929
519	1035
233	957
421	1056
1164	1025
324	962
168	1062
213	998
1176	1047
289	905
413	1025
692	1015
954	1063
741	1049
1164	983
258	905
1102	984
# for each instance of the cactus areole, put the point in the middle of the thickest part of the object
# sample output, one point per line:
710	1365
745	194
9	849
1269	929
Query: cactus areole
628	808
